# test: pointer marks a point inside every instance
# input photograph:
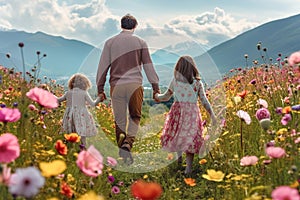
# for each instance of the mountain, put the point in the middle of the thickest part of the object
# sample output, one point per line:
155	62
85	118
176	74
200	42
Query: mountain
63	56
279	36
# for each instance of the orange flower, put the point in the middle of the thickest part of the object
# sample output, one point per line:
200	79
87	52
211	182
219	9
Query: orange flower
202	161
66	190
72	137
61	147
190	181
243	94
286	110
146	191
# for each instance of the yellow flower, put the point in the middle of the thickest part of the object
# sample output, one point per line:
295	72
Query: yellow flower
53	168
282	131
237	99
53	198
91	195
190	181
202	161
145	176
176	189
213	175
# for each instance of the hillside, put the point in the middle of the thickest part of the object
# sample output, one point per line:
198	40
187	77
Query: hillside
280	36
63	56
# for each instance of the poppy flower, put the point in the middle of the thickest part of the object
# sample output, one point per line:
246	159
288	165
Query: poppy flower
242	94
90	162
72	137
285	119
42	97
244	116
284	193
286	110
294	58
262	103
53	168
262	113
9	114
66	190
115	190
9	148
146	191
190	181
275	152
5	175
213	175
111	161
61	147
26	182
248	160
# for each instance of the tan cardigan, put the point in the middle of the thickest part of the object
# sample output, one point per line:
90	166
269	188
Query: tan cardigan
125	55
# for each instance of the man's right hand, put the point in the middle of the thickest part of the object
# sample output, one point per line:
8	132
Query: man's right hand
102	96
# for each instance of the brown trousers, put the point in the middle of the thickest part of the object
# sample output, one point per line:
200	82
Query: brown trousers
127	98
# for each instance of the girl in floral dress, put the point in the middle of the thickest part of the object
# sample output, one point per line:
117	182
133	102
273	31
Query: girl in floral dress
77	118
182	131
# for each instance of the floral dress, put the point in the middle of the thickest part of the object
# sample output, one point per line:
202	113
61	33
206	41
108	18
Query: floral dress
77	118
183	127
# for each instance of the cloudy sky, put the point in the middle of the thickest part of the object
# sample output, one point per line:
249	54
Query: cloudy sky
161	22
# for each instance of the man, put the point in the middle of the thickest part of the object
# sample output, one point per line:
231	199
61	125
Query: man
125	55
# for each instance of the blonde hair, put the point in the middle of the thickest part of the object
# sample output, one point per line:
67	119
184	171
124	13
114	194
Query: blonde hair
80	81
186	70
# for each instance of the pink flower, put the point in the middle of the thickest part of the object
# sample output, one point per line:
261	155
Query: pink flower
5	176
9	114
90	162
262	103
285	119
244	116
9	148
285	193
115	190
275	152
111	161
43	97
248	160
262	113
294	58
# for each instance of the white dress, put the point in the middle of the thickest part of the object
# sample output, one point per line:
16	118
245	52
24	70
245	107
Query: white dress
77	118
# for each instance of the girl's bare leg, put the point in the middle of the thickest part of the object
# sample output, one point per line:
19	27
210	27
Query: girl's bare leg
189	163
83	141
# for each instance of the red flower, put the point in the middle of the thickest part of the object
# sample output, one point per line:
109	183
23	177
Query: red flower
61	147
242	94
72	137
146	191
66	190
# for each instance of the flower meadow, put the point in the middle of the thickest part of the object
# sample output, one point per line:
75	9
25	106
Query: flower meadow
255	156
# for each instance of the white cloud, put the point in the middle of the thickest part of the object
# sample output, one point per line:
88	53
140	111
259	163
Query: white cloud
93	22
216	25
87	22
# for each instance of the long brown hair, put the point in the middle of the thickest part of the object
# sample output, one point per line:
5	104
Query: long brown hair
186	70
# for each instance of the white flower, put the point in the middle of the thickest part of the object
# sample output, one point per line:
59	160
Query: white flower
244	116
262	103
26	182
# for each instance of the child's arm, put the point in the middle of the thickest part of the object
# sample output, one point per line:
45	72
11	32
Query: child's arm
165	96
91	101
206	103
62	98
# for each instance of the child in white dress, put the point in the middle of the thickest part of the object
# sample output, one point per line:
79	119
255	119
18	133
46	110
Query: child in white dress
77	118
182	131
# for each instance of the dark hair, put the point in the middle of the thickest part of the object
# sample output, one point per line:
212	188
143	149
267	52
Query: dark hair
128	22
186	70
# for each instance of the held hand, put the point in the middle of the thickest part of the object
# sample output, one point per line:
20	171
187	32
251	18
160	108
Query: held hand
102	96
155	96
